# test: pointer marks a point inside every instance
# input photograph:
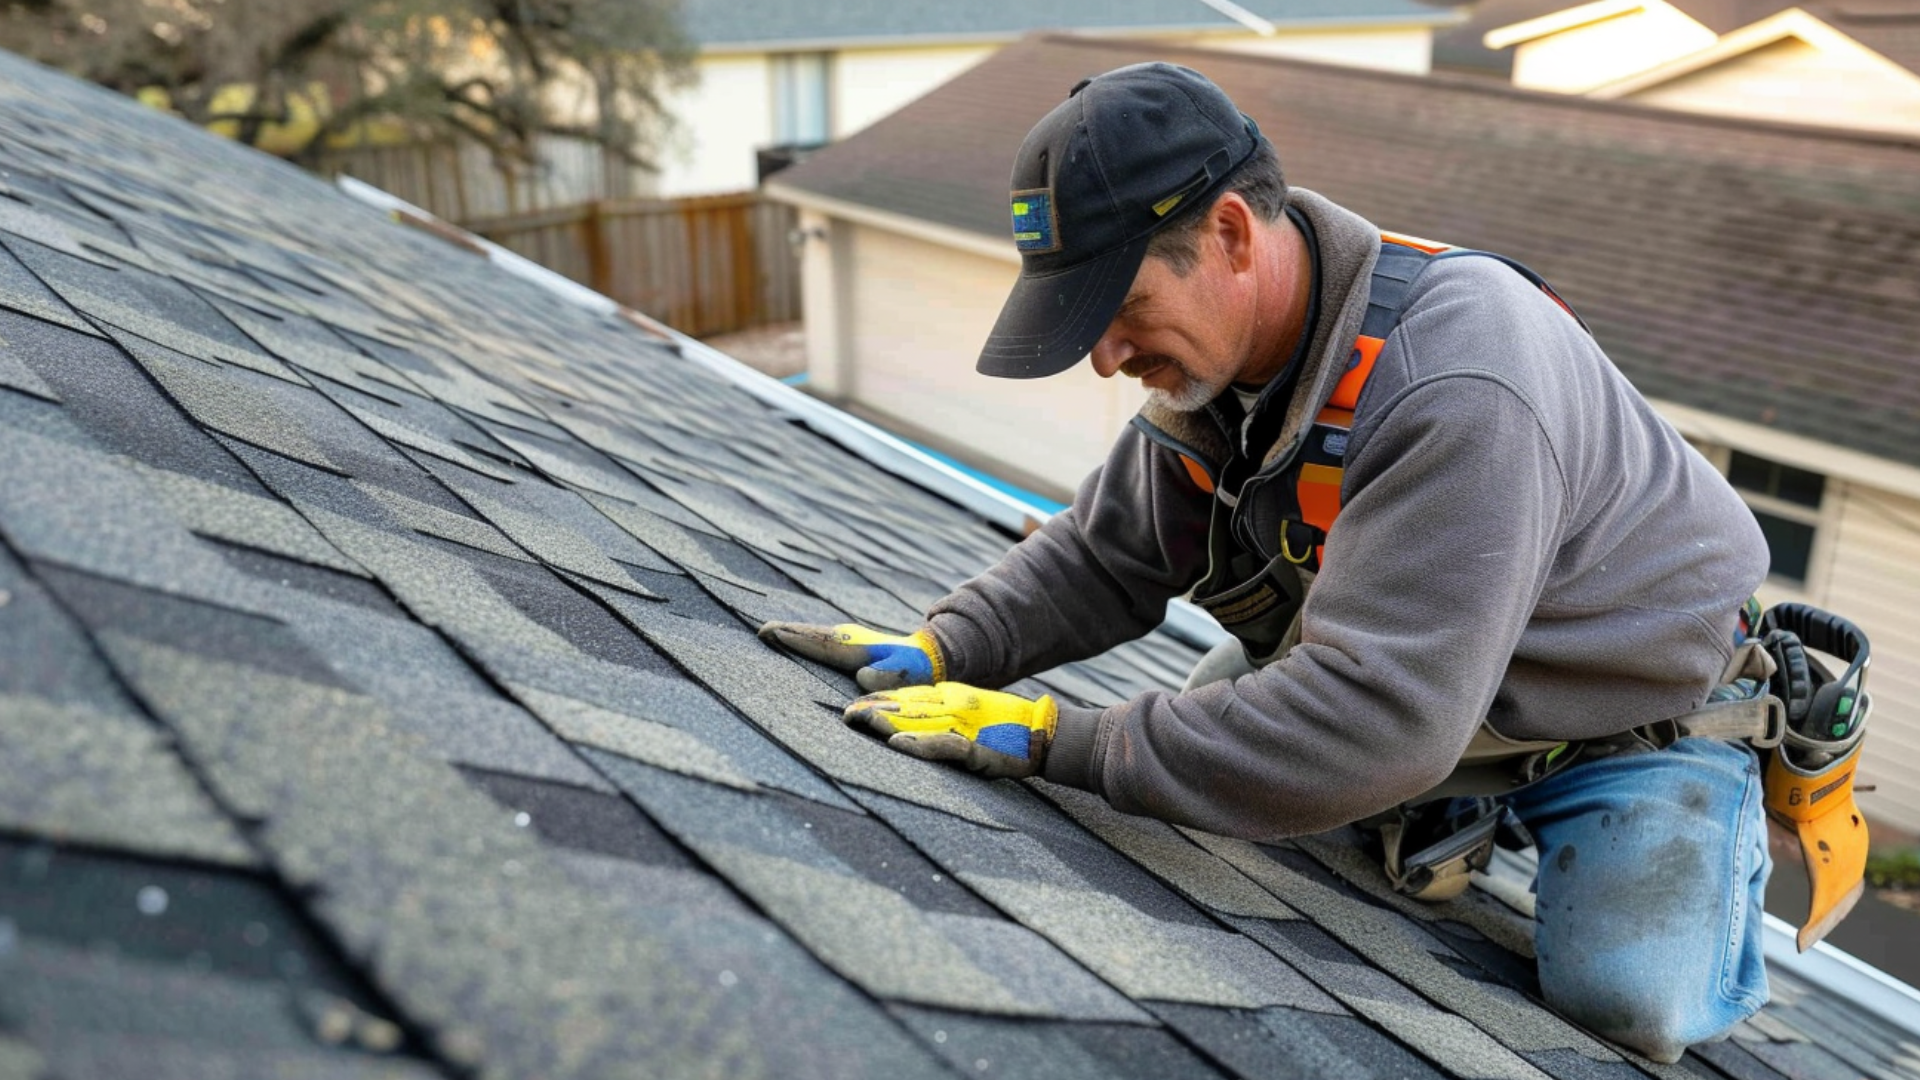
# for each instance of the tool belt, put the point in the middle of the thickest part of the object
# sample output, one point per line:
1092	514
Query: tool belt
1807	723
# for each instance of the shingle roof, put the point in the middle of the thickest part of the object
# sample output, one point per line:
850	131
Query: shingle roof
1758	271
1460	48
790	23
378	699
1726	16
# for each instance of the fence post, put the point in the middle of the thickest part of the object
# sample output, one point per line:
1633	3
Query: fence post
746	268
593	240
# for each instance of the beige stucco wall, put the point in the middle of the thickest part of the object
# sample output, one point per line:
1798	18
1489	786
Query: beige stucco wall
720	123
1796	81
1577	60
1389	48
914	315
871	83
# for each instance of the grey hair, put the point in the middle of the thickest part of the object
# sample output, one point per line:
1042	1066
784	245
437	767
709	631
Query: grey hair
1257	180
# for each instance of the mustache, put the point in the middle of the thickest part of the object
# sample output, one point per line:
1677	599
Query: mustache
1139	365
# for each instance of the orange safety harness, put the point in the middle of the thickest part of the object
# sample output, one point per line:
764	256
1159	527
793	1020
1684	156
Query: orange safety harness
1255	593
1317	470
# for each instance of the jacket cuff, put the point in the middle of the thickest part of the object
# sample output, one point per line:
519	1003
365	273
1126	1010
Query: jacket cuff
1070	757
953	656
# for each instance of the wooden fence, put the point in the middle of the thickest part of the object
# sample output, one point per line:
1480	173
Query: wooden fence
707	265
462	181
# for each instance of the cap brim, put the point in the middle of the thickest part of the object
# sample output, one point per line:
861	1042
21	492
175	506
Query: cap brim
1051	321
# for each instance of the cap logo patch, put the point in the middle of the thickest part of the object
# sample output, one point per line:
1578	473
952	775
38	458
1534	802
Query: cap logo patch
1034	228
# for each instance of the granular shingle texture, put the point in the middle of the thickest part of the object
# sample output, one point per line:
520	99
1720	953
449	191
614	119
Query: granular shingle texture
378	698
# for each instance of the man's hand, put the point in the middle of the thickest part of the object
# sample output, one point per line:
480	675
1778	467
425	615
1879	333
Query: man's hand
878	661
993	734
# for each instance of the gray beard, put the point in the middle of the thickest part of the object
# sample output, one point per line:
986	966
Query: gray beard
1192	397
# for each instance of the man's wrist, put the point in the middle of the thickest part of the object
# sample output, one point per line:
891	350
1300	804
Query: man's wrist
924	640
949	659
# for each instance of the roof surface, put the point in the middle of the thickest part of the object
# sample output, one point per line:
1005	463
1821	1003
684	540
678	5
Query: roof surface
1460	48
735	23
377	699
1758	271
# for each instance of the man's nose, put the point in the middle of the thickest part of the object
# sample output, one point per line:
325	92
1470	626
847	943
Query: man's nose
1111	351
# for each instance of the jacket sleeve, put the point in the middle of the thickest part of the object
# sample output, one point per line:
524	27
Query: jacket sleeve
1095	575
1429	576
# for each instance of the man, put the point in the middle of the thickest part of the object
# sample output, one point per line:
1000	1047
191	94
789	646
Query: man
1506	548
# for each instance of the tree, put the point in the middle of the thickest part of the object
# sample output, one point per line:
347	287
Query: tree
297	76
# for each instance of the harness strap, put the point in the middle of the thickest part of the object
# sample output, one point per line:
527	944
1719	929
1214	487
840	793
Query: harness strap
1320	469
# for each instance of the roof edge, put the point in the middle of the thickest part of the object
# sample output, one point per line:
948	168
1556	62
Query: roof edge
1809	453
1572	18
998	248
1793	22
1843	974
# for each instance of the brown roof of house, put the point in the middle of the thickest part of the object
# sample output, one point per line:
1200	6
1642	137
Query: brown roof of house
1763	272
1460	48
1726	16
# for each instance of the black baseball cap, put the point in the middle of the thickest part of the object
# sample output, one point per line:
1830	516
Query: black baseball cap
1127	153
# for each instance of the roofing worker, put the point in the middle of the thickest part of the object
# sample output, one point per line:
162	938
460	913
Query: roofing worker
1524	555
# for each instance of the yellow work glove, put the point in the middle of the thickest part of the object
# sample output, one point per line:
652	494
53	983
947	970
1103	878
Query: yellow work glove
993	734
878	661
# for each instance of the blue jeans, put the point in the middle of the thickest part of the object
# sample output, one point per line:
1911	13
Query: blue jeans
1653	868
1653	871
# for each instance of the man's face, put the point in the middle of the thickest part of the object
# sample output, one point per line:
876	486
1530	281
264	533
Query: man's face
1182	337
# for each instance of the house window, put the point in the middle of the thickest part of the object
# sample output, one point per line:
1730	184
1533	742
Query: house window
802	98
1786	503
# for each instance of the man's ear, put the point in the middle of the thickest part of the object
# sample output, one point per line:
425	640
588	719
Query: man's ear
1231	226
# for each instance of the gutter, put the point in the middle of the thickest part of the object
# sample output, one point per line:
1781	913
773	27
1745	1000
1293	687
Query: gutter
856	436
1854	981
996	245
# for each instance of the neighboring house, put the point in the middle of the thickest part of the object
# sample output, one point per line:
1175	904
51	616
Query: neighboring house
781	76
378	700
1760	283
1853	63
1462	48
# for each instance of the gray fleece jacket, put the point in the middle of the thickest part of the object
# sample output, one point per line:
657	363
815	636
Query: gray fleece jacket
1523	542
